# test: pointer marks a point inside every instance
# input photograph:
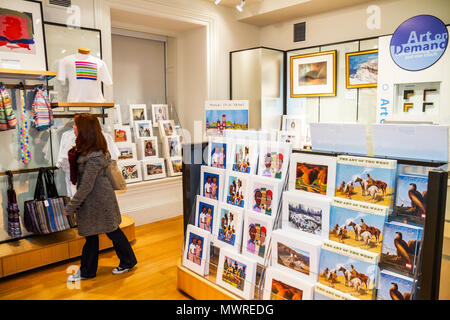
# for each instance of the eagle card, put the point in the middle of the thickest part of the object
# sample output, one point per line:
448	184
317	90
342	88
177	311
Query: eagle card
411	198
393	286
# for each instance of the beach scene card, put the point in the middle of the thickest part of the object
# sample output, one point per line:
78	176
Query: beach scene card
228	227
263	195
296	254
401	246
312	173
363	179
235	192
206	209
348	269
393	286
212	181
224	115
236	273
274	159
279	285
257	231
244	156
306	214
411	198
357	224
196	250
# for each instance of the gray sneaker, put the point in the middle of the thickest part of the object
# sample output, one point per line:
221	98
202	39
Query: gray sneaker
119	270
75	277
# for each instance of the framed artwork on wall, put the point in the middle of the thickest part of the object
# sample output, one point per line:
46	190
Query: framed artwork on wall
153	169
159	112
22	37
313	74
361	69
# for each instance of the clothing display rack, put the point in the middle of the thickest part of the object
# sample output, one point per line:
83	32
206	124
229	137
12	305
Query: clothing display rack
19	171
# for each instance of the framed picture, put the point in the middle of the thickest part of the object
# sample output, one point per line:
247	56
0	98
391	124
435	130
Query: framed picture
122	134
138	112
172	146
159	112
257	230
167	128
263	195
244	156
206	211
313	74
22	44
147	148
196	250
291	137
306	214
235	192
274	159
361	69
313	174
131	170
279	285
227	230
175	166
219	152
127	151
296	254
153	168
117	115
211	183
143	128
236	273
225	115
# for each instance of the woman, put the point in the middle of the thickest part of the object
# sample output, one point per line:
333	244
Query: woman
95	202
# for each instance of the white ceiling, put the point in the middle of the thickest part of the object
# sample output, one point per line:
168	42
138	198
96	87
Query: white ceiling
233	3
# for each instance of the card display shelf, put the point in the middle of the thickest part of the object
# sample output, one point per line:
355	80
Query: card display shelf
83	104
41	250
26	74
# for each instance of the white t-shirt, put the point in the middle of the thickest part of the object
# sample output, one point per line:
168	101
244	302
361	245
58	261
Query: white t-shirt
85	74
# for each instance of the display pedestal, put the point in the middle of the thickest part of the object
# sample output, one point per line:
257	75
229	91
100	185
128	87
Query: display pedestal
38	251
200	288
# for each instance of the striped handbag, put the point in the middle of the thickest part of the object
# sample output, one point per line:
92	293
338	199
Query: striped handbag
41	111
44	214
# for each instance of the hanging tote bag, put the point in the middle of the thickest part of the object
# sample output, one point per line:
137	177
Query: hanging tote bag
115	176
44	214
41	111
14	230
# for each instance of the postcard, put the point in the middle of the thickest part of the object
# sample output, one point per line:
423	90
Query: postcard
196	250
244	156
264	195
235	192
394	286
219	152
228	227
274	159
257	231
212	181
322	292
411	198
131	170
279	285
153	168
224	115
206	210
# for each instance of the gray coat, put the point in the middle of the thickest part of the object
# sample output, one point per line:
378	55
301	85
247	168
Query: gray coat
94	203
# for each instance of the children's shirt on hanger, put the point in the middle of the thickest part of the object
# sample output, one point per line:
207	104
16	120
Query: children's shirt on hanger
85	74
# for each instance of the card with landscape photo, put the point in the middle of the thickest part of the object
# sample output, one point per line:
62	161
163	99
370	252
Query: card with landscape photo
127	151
175	166
206	210
363	179
257	230
401	246
411	198
211	182
279	285
348	269
306	214
357	224
227	230
196	250
312	173
263	195
394	286
153	168
236	273
274	159
296	254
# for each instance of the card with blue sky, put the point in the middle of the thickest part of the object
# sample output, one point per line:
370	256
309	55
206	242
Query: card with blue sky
394	286
227	230
206	211
235	189
219	150
244	156
196	250
224	115
212	182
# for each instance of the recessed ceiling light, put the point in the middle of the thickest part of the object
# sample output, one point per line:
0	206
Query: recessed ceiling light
217	2
240	6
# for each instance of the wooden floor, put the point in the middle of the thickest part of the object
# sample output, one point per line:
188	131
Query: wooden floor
157	249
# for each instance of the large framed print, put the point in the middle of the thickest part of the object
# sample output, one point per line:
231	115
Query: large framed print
143	128
206	211
127	151
22	37
236	273
244	156
263	195
274	159
224	115
153	168
313	74
159	112
313	174
306	214
131	170
257	230
175	166
211	182
219	152
147	148
235	189
228	227
196	250
361	69
296	254
279	285
138	112
166	128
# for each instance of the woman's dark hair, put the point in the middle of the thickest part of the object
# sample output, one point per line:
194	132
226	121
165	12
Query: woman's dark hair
90	137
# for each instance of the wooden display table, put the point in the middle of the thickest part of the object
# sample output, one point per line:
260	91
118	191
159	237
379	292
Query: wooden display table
38	251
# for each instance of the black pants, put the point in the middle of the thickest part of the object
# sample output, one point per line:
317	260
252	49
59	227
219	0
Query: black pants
89	256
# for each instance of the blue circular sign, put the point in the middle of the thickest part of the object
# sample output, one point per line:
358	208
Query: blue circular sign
419	42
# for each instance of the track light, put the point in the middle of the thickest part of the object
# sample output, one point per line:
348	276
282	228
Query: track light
217	2
240	6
